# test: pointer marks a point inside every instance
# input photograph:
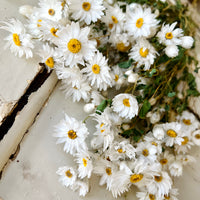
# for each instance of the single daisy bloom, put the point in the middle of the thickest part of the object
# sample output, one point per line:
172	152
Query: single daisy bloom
143	53
141	22
125	105
85	164
146	196
172	195
159	184
74	44
196	137
166	159
114	18
176	168
72	133
98	72
50	9
19	41
87	10
185	159
67	175
172	134
170	36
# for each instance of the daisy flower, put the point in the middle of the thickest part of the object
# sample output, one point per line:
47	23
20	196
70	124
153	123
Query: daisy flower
185	159
125	105
143	53
82	186
98	72
86	10
166	159
170	36
72	133
67	175
196	137
176	168
160	184
74	44
85	164
114	18
146	196
19	41
141	22
50	9
172	134
172	195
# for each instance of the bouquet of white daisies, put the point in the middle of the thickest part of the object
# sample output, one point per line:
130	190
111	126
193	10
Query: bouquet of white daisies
129	61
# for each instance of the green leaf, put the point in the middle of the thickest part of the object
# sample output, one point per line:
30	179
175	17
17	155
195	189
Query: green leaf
101	107
137	134
145	109
167	107
171	94
152	72
125	64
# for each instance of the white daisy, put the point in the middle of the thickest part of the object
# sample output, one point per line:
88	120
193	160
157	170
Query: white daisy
67	175
143	53
172	134
146	196
170	36
166	159
176	168
141	22
85	164
98	72
74	44
114	18
19	41
50	9
172	195
86	10
72	133
196	137
125	105
82	186
160	184
185	159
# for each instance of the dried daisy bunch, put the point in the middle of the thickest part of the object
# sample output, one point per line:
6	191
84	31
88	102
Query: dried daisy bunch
129	61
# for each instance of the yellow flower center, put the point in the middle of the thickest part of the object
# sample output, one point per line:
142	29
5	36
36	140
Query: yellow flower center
163	161
116	77
86	6
114	19
53	31
136	178
50	62
74	45
84	162
102	124
154	143
139	22
63	4
51	11
167	196
185	141
108	171
158	178
187	122
39	25
171	133
120	150
110	26
102	130
152	197
72	134
16	39
197	136
145	152
68	174
169	35
126	102
121	47
144	53
96	69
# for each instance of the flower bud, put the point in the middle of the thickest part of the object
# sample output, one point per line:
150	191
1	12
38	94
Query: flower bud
133	77
187	42
89	107
158	132
171	51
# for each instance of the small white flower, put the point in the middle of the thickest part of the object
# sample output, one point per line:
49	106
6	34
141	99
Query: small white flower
19	41
86	10
74	44
85	164
89	107
143	53
125	105
187	42
82	186
170	36
166	159
176	168
67	175
141	22
98	72
72	133
133	78
114	18
185	159
172	195
172	133
146	196
196	137
50	9
171	51
154	116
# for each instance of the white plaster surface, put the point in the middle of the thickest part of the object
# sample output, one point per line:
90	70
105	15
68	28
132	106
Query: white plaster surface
32	174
